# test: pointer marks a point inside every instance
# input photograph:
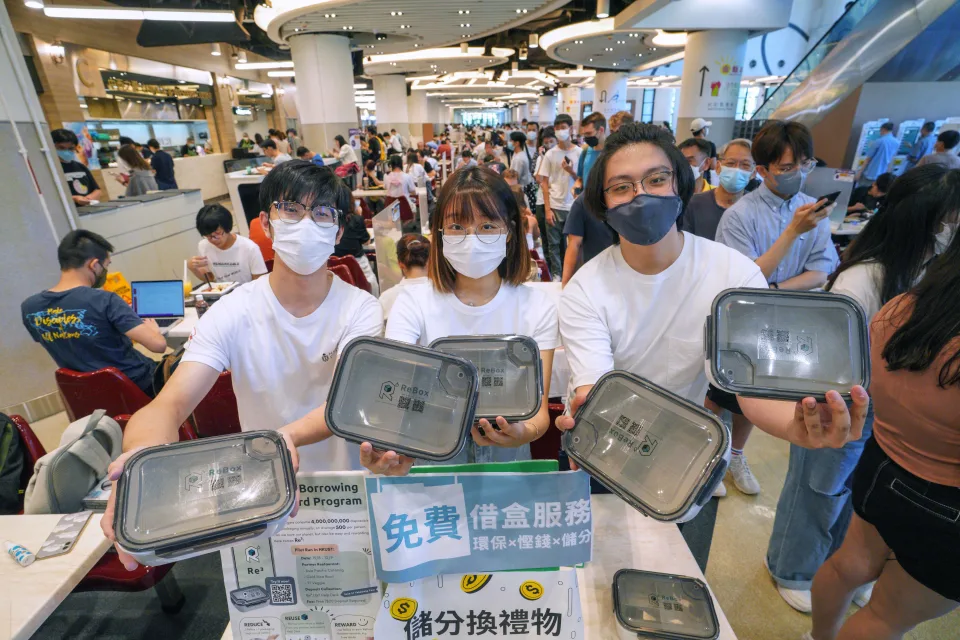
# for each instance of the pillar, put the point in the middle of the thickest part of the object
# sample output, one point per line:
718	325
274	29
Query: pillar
324	88
390	95
609	93
524	113
570	104
548	110
434	108
421	127
710	85
223	136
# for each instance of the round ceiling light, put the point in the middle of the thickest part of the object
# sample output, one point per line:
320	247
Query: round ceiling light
670	38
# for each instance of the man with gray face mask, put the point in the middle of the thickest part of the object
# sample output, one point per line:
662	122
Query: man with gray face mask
786	232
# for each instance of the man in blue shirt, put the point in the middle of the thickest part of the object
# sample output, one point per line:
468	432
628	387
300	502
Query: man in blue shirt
923	146
879	155
85	328
305	154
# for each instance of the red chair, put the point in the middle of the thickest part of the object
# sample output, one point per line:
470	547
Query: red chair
547	446
534	255
355	271
217	413
343	273
544	271
109	388
34	451
406	212
365	209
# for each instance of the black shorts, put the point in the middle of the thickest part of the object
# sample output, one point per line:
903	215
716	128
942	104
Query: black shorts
917	519
725	400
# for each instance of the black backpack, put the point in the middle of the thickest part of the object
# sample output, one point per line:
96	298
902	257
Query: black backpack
11	467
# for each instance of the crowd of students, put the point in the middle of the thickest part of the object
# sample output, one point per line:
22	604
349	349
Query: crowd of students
873	488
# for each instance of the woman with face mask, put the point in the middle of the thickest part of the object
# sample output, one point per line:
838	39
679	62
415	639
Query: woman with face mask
478	262
639	306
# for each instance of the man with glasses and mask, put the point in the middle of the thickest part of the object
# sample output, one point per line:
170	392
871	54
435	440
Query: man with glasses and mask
786	232
223	255
85	328
280	336
737	168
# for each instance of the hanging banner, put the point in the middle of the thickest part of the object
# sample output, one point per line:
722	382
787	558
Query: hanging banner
314	579
520	604
423	525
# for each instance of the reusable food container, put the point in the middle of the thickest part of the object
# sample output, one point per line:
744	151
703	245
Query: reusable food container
660	605
511	376
659	452
786	345
404	398
176	501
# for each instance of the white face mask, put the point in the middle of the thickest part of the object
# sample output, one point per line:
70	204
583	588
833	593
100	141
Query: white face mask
696	172
945	237
531	135
563	134
304	246
474	258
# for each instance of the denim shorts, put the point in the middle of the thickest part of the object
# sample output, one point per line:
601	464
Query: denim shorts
917	519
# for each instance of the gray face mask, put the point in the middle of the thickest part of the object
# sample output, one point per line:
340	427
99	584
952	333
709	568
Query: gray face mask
788	184
646	219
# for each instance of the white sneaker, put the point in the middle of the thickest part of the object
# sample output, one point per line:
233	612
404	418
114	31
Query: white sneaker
743	477
862	595
720	490
799	600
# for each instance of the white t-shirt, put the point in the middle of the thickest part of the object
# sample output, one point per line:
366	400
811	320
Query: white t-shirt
346	155
536	172
417	172
400	185
862	283
388	297
612	317
282	366
239	263
561	182
280	159
421	314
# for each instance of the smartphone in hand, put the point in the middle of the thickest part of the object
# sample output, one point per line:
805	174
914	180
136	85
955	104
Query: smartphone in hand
830	199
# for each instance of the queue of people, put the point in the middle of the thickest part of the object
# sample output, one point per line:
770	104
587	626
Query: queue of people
643	247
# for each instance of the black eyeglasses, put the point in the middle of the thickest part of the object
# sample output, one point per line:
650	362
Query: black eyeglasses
293	212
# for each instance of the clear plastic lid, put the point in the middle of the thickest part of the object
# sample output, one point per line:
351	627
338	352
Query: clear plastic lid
654	449
787	344
404	398
659	605
511	377
178	495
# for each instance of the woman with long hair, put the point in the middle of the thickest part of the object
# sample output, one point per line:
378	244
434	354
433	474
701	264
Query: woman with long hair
141	174
906	486
478	263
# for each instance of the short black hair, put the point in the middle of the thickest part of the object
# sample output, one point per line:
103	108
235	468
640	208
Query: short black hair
339	138
596	119
518	136
883	182
466	154
563	118
64	135
627	135
886	126
396	162
488	158
153	144
301	151
78	247
372	129
702	145
304	182
213	217
268	144
949	139
929	126
125	140
413	157
292	130
776	137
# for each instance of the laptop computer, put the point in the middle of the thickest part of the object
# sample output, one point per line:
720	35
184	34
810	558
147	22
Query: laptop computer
823	181
161	300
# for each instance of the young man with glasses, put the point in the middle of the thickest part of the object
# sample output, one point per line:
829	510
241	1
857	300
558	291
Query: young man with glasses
737	168
786	232
223	255
279	336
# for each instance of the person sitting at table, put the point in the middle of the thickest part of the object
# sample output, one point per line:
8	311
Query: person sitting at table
413	253
399	184
85	328
370	171
83	186
257	148
466	160
355	237
224	256
414	169
430	164
275	157
875	197
305	154
343	152
140	178
279	336
478	263
621	310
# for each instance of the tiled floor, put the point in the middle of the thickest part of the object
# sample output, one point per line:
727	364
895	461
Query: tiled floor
735	571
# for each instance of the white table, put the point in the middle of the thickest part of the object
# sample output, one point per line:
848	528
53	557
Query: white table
846	228
28	595
234	180
625	539
179	332
382	193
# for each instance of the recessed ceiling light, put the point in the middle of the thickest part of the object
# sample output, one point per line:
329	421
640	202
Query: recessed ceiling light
465	25
396	13
578	42
639	55
348	27
393	64
621	42
616	64
464	12
416	46
329	15
404	26
591	60
608	49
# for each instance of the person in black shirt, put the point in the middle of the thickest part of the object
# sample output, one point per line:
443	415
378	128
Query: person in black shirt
85	328
189	149
83	186
162	163
374	143
355	236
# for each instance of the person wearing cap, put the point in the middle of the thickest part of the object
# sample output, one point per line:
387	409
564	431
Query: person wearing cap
700	128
